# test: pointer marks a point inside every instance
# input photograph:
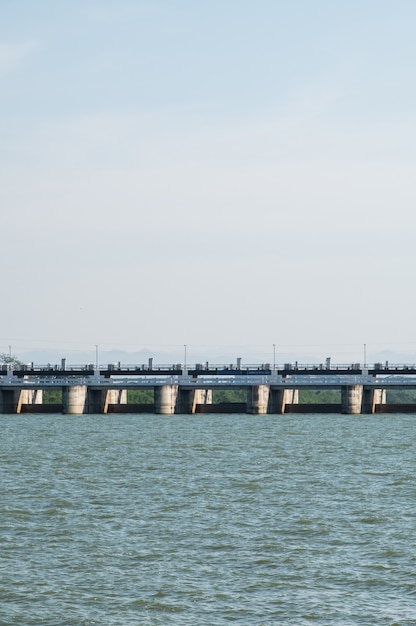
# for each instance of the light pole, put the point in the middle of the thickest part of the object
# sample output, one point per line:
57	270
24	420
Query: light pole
365	356
184	367
96	356
274	358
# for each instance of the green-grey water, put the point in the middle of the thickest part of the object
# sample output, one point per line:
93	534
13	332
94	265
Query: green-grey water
208	519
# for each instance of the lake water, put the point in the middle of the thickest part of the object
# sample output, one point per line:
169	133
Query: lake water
207	519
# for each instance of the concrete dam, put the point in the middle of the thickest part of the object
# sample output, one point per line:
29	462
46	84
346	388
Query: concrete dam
179	388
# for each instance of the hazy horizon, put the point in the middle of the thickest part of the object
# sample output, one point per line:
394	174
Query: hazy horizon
222	355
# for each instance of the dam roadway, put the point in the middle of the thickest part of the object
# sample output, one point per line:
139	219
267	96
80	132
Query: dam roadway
189	389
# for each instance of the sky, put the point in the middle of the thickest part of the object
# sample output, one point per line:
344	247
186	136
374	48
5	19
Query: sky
226	175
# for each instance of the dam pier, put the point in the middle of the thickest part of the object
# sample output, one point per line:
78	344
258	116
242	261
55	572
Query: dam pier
264	389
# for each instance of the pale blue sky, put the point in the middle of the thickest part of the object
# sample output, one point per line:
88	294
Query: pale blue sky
230	173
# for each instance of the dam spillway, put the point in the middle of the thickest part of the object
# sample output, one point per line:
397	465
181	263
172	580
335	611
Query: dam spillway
96	389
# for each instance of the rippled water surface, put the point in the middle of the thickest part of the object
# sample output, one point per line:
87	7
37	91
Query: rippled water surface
209	519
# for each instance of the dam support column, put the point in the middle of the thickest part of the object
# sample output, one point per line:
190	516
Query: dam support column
258	399
380	397
281	398
37	396
74	400
100	400
29	396
115	397
200	396
166	399
351	399
189	399
11	400
372	397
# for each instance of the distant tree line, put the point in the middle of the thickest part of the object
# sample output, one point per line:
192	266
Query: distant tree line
9	359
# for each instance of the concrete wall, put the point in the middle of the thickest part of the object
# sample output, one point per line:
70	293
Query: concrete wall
166	398
258	399
31	396
279	398
74	400
372	397
98	400
189	399
11	400
114	396
201	396
355	399
170	399
351	399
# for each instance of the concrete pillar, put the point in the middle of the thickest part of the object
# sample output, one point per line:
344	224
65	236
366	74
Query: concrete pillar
166	399
74	400
190	398
100	399
371	397
380	396
115	396
37	397
258	399
290	396
201	396
279	398
11	400
351	399
31	396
